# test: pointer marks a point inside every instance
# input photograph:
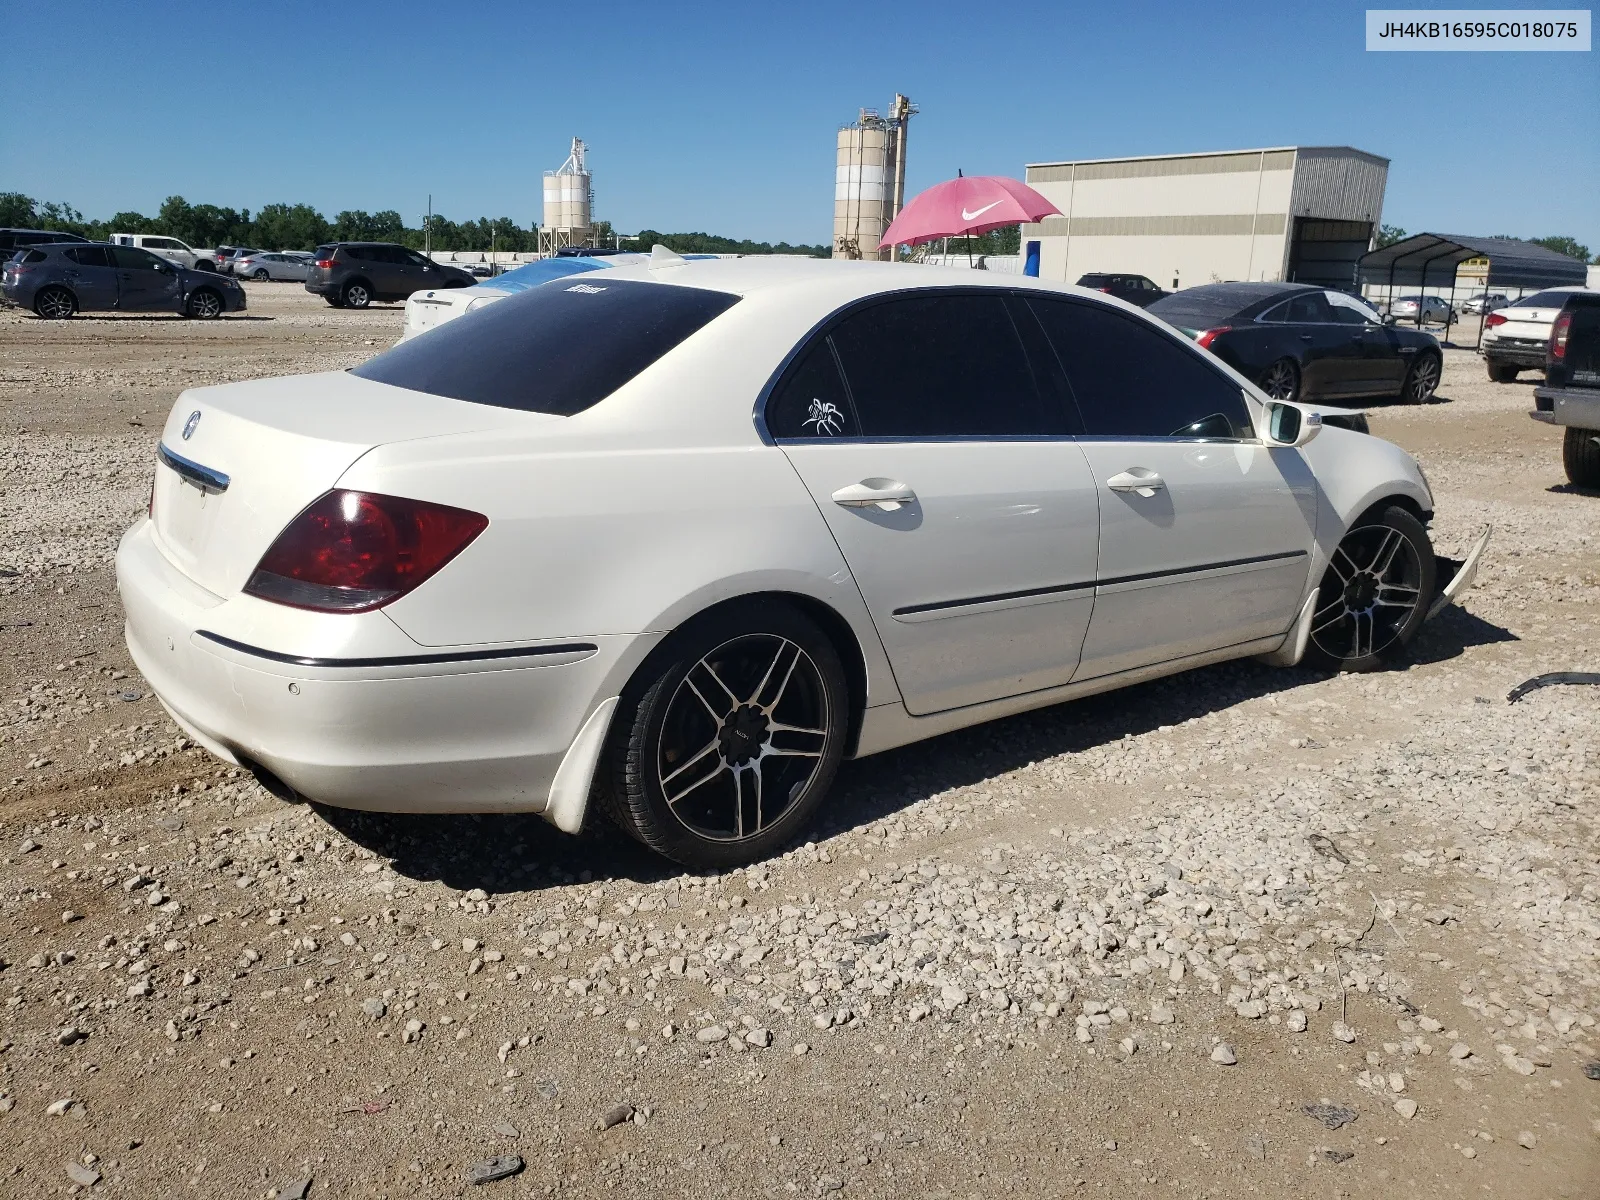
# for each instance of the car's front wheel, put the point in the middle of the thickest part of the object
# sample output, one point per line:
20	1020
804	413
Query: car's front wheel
724	746
1501	372
55	304
204	305
1422	380
1375	593
1282	380
1580	454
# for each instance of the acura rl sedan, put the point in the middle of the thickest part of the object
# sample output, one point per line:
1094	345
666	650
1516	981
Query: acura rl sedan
681	536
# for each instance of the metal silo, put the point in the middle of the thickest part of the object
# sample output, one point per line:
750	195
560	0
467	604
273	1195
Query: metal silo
869	180
567	202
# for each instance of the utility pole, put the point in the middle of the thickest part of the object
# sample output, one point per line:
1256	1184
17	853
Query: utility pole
427	229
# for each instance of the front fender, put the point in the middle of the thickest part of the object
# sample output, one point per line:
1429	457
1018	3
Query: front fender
1355	471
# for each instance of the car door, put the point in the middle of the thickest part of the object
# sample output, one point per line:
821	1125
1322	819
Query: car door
420	272
143	280
1205	532
953	488
1381	366
91	277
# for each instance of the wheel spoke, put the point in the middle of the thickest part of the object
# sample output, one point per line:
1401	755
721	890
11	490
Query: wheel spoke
674	799
750	795
709	748
1361	618
718	717
780	727
755	696
1383	557
1327	616
1397	595
1333	564
783	687
733	701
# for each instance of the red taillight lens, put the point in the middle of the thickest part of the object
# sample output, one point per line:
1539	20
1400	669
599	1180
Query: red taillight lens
1205	339
356	551
325	263
1494	319
1107	291
1558	335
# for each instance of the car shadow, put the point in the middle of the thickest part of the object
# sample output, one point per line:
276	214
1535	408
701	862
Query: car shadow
520	852
124	318
1572	489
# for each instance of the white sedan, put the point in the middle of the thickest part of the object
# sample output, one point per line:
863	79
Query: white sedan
685	535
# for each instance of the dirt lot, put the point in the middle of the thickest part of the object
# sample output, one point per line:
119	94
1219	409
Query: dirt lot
1244	931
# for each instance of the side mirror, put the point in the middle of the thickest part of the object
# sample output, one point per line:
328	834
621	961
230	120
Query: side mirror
1290	425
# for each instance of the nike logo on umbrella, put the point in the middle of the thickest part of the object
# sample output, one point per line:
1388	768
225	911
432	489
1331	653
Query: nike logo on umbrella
973	216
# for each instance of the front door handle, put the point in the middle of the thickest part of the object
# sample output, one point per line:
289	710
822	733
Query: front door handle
1137	479
1305	337
886	494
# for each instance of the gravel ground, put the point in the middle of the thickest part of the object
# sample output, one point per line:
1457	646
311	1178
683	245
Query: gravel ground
1243	931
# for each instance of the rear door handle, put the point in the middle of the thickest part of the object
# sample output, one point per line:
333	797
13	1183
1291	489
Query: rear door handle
886	494
1305	337
1137	479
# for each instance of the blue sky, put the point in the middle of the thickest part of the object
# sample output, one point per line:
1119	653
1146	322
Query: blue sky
721	117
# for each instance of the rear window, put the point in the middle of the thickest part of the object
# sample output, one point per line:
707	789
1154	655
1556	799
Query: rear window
558	349
1200	307
29	256
1543	300
325	252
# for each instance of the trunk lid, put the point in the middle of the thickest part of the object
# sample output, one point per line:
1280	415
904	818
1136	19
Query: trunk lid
239	461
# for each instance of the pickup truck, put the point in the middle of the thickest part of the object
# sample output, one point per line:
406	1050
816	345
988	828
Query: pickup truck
169	248
1571	392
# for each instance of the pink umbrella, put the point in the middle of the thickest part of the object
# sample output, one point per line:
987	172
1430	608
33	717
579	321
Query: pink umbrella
966	206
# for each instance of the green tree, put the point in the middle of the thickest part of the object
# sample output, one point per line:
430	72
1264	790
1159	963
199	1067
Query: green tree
1571	247
1388	235
290	227
17	210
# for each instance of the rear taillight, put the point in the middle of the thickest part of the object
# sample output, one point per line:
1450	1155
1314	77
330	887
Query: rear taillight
1107	291
1205	339
356	551
325	263
1558	335
1493	319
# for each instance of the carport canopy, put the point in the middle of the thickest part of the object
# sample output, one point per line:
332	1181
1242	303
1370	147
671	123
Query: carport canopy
1426	259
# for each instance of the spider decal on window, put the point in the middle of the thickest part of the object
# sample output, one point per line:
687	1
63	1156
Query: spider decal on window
826	417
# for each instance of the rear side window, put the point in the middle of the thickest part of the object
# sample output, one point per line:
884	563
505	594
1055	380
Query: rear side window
811	402
1134	381
88	256
30	256
941	366
557	349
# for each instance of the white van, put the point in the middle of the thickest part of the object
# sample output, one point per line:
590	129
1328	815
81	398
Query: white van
169	248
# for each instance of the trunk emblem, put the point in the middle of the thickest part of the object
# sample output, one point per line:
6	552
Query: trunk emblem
190	425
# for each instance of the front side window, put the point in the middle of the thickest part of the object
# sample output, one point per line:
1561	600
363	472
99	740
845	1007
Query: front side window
811	402
558	349
1132	380
1348	310
131	258
941	365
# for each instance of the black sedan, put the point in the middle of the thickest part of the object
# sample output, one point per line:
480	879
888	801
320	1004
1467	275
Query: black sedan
1299	342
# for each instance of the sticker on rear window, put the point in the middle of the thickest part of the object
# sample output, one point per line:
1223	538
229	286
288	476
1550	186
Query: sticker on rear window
586	288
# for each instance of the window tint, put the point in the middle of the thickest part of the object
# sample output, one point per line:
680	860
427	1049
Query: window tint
88	256
1131	380
1543	300
1348	310
557	349
811	401
942	365
1308	308
29	256
415	259
325	251
135	259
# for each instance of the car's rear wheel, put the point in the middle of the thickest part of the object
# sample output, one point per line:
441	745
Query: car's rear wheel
1501	372
1281	380
204	305
1580	454
724	746
356	295
1375	593
1422	379
260	275
55	304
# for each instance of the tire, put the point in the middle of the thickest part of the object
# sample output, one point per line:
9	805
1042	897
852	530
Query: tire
1501	372
706	700
1281	380
260	275
356	294
55	304
1375	592
203	305
1580	454
1422	379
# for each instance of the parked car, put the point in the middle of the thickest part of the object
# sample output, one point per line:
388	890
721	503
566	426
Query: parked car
66	278
636	533
1434	309
1135	289
13	239
228	264
169	248
1517	337
1485	302
354	274
262	266
1570	396
1298	342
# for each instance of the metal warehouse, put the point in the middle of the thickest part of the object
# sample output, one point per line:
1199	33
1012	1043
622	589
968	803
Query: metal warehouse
1304	213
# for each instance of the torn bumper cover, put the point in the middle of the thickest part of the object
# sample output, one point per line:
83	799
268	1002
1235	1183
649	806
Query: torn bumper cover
1456	575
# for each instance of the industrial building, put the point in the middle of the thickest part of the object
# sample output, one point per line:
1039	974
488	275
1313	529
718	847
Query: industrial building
568	204
870	179
1290	213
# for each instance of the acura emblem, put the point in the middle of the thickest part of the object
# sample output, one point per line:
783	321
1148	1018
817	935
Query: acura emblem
190	424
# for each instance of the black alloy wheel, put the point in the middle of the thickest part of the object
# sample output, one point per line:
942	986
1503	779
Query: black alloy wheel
729	739
55	304
1375	593
356	295
1422	379
1282	380
204	305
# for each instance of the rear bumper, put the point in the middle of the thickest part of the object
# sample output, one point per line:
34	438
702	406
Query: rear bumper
1525	352
438	730
1567	406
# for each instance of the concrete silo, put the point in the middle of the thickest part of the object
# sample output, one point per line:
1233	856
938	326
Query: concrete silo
568	220
869	179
